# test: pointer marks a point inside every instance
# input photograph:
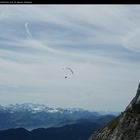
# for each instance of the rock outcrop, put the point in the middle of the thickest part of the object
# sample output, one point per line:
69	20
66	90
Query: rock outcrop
124	127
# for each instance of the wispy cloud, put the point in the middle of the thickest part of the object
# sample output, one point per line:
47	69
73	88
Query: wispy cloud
27	30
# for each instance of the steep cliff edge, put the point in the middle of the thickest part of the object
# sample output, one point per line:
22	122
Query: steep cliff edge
124	127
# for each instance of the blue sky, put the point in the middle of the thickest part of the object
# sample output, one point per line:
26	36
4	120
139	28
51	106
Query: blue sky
99	42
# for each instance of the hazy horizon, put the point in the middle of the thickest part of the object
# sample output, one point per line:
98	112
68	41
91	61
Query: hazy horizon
100	43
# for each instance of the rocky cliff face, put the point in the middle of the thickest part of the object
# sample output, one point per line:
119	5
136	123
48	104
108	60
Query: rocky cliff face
124	127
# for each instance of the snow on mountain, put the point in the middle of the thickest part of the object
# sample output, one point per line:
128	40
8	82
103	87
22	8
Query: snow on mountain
35	108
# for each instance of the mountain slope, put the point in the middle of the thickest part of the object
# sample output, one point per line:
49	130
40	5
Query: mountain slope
124	127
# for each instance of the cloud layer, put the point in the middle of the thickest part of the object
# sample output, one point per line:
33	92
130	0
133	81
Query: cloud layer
99	42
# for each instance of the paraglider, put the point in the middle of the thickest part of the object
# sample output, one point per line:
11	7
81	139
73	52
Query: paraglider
68	71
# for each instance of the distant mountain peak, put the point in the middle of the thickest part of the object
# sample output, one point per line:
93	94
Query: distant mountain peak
32	107
124	127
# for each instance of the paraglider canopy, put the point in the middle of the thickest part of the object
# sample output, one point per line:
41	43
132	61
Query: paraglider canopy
70	70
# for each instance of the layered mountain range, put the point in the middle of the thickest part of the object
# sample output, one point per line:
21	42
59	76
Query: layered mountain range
31	116
77	131
38	122
124	127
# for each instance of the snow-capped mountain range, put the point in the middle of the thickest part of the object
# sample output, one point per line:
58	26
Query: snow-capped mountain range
36	108
31	116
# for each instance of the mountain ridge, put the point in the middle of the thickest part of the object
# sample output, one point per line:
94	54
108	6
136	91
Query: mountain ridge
39	107
31	116
78	131
126	126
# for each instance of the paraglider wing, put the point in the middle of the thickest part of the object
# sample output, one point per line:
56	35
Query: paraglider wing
70	70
